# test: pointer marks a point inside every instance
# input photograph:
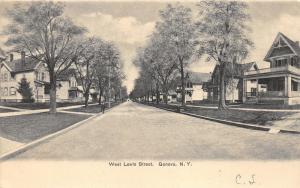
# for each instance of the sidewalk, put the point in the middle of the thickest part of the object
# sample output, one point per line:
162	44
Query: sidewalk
277	121
245	109
11	147
25	112
11	108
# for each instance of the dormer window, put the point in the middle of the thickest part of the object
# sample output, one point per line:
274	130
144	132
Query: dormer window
280	62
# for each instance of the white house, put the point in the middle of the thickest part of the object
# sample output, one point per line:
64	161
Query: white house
280	83
194	87
13	70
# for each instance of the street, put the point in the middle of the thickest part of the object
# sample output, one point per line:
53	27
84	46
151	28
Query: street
136	131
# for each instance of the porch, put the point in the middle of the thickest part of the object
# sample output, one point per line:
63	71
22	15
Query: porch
272	89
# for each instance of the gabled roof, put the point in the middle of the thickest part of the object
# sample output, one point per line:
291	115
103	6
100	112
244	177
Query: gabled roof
238	69
246	66
293	44
290	48
17	65
172	92
65	76
198	77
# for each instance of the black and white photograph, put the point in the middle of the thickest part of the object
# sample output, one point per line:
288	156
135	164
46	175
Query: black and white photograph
95	93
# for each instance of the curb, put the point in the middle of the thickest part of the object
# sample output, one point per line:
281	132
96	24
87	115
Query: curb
233	123
39	141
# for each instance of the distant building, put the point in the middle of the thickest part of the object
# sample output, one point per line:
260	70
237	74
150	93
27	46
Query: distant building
280	83
233	83
194	87
13	70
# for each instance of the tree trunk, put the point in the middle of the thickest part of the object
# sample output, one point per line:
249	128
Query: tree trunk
100	96
86	95
86	99
166	96
182	84
151	97
222	104
157	94
148	97
52	92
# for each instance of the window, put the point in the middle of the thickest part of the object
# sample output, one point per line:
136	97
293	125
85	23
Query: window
5	77
294	61
5	92
47	89
294	86
73	83
280	62
253	91
43	76
189	85
12	91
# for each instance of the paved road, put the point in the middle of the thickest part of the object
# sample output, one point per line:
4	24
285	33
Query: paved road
135	131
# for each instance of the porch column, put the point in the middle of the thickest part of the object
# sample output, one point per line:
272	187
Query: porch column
257	100
288	86
257	87
244	90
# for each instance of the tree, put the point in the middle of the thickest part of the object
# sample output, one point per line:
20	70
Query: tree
101	80
108	69
25	90
162	63
42	31
148	79
177	28
85	61
223	36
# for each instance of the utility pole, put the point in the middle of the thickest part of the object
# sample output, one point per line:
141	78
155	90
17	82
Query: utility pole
109	86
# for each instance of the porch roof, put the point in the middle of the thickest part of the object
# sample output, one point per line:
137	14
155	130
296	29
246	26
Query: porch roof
273	72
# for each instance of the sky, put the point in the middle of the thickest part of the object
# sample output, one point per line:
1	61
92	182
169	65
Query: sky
129	24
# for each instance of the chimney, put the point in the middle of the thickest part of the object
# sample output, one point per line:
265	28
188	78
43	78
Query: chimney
23	57
11	57
297	43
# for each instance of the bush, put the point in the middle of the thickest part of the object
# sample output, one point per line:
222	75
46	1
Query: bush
26	91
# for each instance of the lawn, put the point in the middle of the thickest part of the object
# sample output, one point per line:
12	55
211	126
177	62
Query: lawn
254	106
252	117
268	106
2	110
36	106
91	109
26	128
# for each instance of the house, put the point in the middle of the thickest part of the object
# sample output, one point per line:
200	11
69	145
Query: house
35	72
194	87
172	96
280	83
233	82
68	87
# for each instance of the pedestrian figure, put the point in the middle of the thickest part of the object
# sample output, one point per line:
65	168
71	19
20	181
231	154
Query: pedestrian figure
103	107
